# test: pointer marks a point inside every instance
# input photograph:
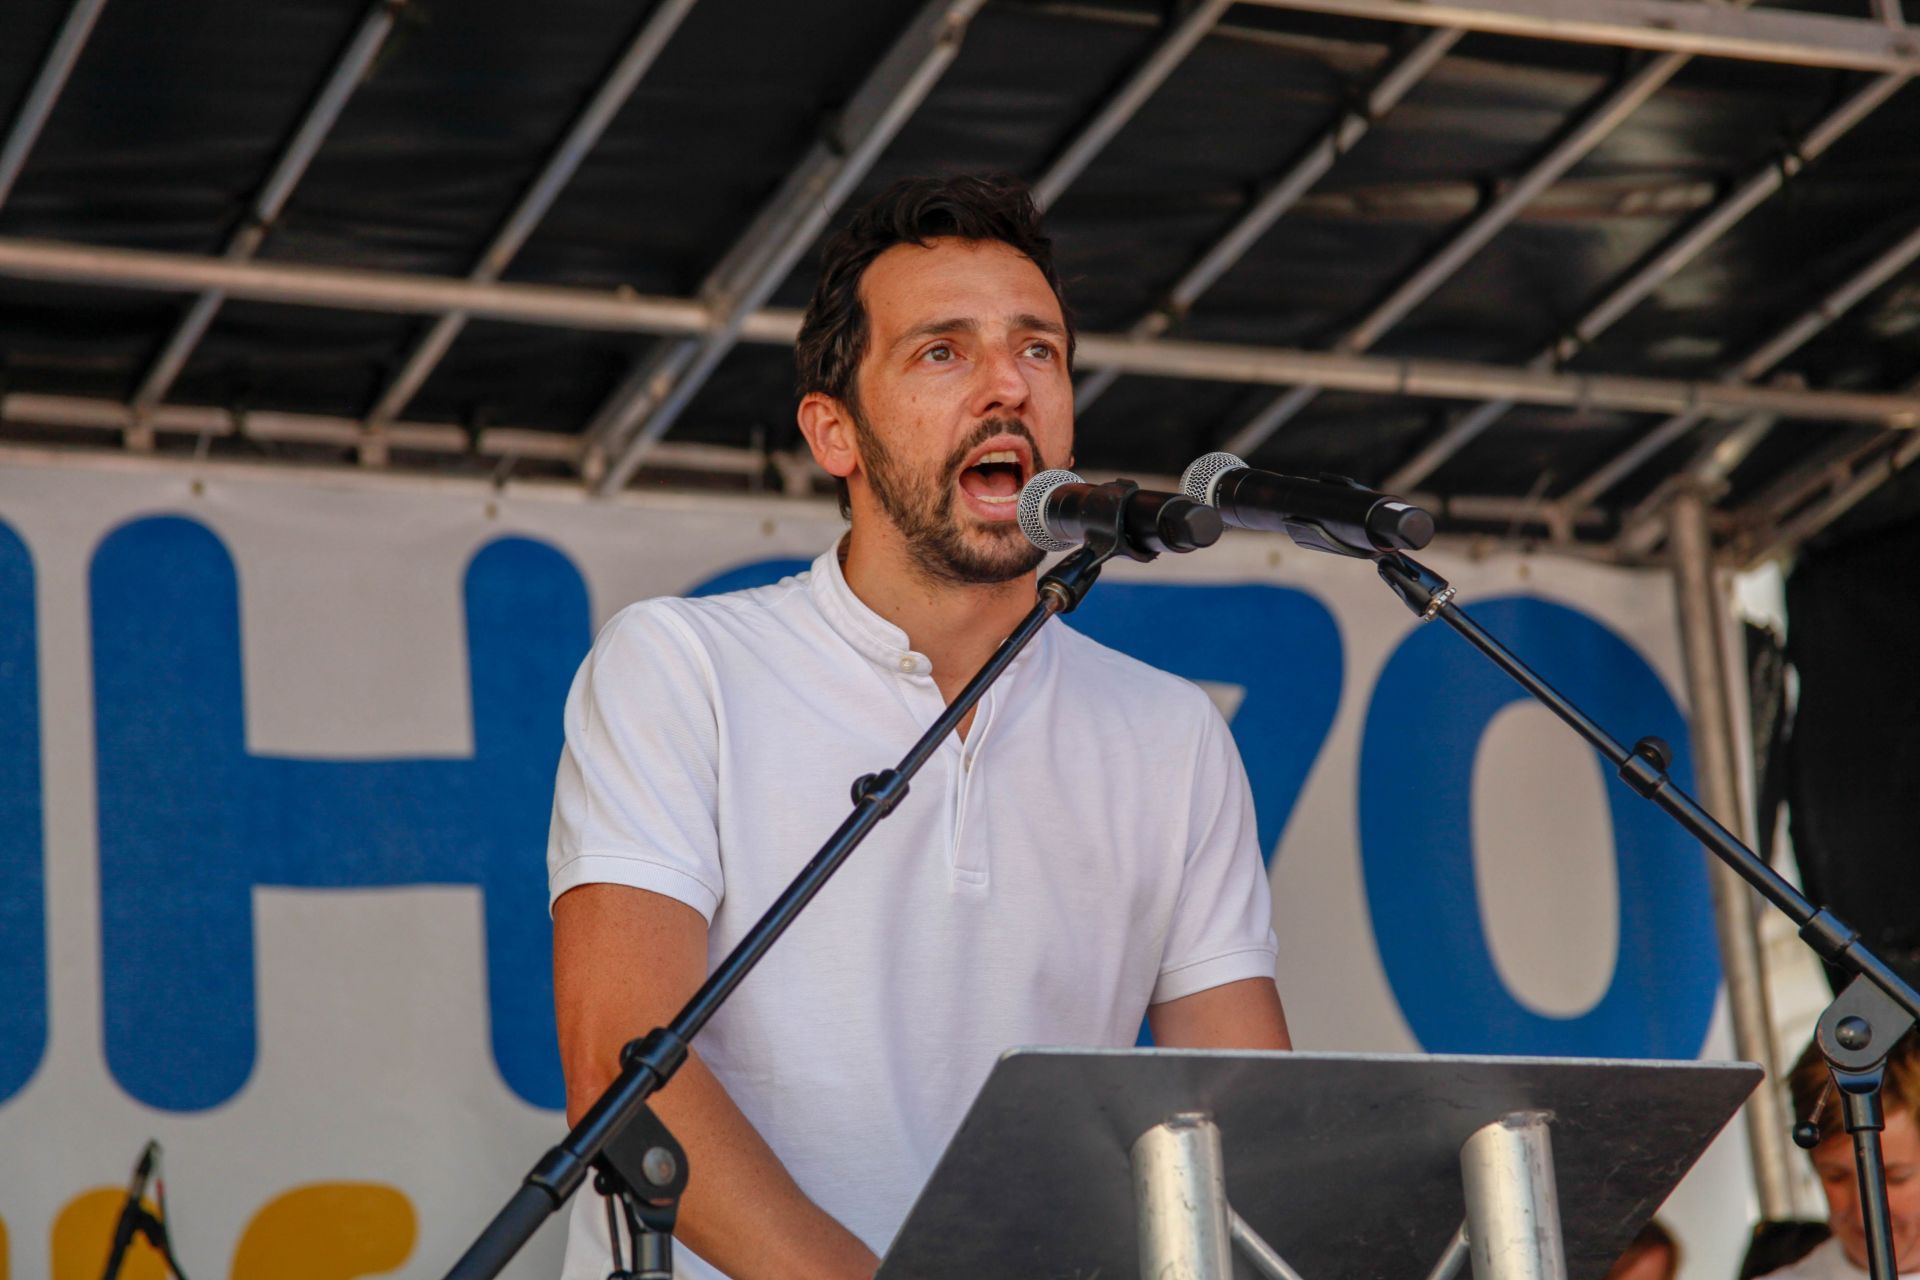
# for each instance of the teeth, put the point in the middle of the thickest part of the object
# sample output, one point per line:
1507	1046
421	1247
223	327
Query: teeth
998	455
1007	501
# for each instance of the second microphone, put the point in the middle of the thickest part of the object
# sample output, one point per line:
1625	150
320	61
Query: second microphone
1059	510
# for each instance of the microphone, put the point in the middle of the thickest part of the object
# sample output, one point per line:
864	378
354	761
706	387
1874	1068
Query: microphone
1331	514
1059	510
133	1215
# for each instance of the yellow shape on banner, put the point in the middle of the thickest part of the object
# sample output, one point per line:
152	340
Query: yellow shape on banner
326	1231
83	1232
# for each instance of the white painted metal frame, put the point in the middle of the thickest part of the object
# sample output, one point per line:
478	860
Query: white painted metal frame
1665	26
267	205
1279	196
728	309
1427	279
407	294
1718	458
1662	265
664	382
40	99
580	139
661	387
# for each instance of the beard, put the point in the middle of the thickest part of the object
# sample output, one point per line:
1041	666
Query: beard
922	506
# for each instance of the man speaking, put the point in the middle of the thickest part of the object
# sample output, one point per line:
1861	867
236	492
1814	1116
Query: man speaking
1081	853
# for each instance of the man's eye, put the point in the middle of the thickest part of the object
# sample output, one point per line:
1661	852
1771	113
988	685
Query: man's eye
940	354
1040	350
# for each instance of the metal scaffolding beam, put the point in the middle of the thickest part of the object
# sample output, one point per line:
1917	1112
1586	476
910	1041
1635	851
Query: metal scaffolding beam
1279	196
268	203
1818	490
662	384
1756	365
661	388
1889	455
38	104
1113	115
1664	26
580	139
1658	268
1426	280
797	471
1702	615
391	292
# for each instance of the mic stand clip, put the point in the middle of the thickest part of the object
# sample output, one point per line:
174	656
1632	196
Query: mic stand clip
1858	1030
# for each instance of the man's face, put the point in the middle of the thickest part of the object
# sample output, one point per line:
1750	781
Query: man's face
1833	1163
963	395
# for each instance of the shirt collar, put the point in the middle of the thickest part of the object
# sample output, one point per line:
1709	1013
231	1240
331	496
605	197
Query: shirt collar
876	639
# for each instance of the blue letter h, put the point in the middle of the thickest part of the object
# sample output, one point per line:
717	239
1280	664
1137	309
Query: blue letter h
190	822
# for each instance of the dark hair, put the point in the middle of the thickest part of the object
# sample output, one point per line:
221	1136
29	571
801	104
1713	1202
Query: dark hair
833	336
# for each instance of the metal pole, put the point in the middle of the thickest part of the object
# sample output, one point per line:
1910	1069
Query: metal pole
1264	1257
580	139
1897	452
1120	108
1656	270
661	385
1453	1257
661	389
1427	279
379	291
1697	595
46	91
1666	26
1180	1193
1513	1205
1756	365
267	205
1280	195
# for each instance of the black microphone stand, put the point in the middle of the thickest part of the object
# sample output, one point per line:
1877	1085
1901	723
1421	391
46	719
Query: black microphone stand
634	1159
136	1220
1858	1030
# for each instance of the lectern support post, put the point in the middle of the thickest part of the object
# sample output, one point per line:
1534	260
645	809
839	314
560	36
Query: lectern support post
1180	1191
1513	1209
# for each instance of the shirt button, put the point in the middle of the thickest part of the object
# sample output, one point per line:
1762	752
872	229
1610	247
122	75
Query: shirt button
907	664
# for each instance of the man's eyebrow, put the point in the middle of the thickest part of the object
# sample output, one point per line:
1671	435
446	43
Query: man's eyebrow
1041	323
935	328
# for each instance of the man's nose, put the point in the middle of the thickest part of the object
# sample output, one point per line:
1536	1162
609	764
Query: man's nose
1002	383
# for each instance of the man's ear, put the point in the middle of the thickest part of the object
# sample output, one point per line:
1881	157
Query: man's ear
828	426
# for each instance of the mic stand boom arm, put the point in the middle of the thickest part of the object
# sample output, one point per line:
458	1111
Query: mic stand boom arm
619	1137
1858	1029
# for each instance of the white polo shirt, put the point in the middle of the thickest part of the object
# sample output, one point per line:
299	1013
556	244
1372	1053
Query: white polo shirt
1087	850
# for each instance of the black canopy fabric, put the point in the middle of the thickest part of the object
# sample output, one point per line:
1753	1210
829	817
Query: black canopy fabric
1855	743
174	115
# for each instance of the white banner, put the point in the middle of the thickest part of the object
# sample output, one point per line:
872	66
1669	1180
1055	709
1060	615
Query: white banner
276	755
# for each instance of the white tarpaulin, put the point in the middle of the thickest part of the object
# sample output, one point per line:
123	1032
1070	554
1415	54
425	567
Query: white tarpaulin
276	753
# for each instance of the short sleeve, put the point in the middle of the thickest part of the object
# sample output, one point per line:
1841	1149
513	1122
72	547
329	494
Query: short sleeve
634	800
1222	927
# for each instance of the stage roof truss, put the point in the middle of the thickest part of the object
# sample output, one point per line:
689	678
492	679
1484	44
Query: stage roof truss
1708	428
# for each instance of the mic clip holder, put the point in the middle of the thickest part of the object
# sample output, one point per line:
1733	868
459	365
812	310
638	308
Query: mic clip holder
1313	536
643	1171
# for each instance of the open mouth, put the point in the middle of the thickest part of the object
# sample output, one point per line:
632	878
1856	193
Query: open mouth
994	479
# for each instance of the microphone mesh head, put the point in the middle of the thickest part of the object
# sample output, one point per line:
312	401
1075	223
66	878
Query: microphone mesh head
1204	472
1033	507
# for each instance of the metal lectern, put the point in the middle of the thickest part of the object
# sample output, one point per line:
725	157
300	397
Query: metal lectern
1178	1164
